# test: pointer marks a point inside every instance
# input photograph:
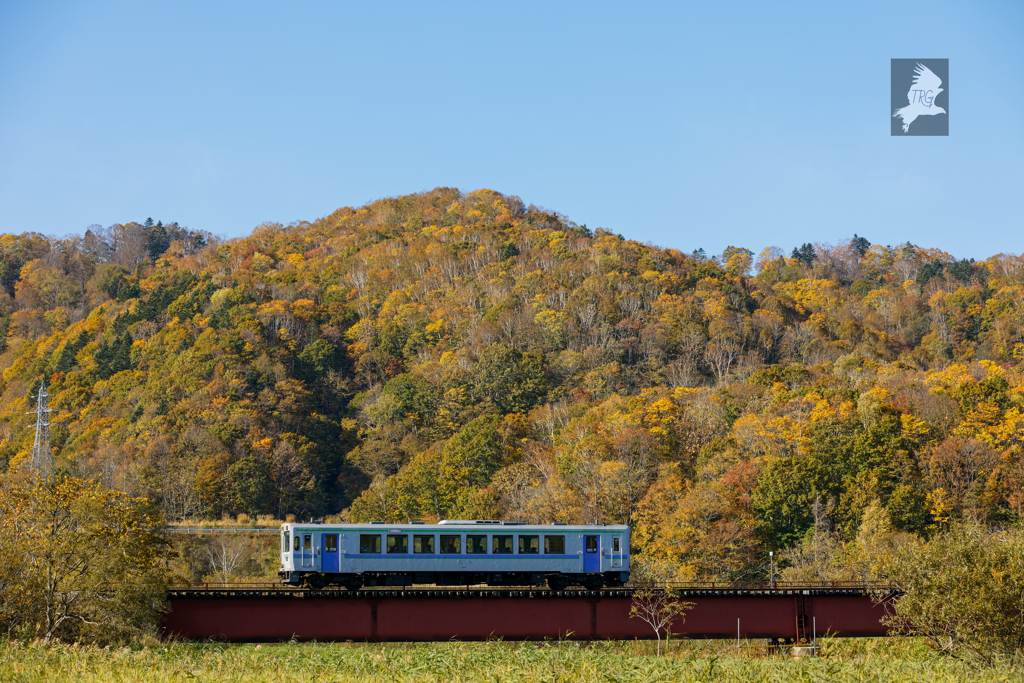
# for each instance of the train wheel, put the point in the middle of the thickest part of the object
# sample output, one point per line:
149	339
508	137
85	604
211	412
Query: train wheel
316	581
558	583
354	584
593	583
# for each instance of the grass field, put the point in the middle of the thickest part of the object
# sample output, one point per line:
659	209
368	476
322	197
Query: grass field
906	661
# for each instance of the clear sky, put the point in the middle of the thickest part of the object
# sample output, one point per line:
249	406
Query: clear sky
686	125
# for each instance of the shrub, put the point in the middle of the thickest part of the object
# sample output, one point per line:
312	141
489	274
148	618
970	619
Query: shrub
963	591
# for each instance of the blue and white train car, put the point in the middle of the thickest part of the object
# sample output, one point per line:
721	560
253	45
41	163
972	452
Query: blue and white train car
454	553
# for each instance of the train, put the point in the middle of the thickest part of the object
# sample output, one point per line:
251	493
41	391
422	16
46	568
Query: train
454	553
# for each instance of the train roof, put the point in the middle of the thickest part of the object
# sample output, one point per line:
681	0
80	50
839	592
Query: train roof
459	524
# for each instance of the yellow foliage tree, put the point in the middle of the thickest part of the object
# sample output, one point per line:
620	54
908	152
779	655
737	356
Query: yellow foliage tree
80	562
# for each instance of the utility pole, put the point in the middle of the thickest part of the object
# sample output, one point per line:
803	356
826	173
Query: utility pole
42	456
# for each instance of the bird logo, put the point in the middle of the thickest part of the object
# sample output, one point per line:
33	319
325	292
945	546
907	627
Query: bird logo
921	97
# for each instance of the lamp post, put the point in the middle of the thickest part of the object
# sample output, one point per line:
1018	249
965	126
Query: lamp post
771	575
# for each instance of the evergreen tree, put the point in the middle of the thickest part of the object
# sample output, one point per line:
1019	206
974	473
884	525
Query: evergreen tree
860	244
157	240
114	357
928	271
962	270
805	254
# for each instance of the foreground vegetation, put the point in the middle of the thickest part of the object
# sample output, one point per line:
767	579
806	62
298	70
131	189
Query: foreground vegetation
64	544
907	661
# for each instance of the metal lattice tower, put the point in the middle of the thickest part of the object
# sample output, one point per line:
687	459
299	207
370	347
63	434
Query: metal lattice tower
42	455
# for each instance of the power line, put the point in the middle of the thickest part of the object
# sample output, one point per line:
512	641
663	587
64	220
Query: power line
42	455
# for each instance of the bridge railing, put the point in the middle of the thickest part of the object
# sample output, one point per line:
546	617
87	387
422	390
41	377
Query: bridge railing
218	530
761	585
781	586
241	585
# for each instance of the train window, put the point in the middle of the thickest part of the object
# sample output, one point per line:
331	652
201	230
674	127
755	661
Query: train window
529	545
615	544
398	544
307	542
422	543
369	543
591	544
554	545
285	542
451	545
298	541
476	545
330	543
501	544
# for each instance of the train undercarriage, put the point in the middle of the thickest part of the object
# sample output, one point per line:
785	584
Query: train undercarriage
555	581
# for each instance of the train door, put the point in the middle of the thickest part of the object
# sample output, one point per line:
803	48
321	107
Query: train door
591	554
616	551
329	554
307	551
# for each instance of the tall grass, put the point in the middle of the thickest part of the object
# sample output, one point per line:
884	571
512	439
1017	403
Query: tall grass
906	661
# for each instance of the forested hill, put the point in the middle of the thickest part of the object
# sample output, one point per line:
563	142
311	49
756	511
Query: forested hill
463	355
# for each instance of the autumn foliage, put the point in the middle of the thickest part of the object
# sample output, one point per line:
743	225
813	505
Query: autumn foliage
78	562
464	355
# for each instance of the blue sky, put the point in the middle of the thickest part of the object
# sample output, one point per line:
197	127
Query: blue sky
685	125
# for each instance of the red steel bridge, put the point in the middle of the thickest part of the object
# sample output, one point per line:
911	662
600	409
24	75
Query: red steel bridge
269	612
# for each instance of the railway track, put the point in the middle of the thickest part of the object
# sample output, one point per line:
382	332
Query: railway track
682	590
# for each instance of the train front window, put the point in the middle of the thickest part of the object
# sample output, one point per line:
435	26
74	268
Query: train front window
398	545
554	545
501	544
451	545
298	543
529	545
369	543
476	545
421	543
285	542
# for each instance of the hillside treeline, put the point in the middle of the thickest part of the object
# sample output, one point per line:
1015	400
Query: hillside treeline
464	355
